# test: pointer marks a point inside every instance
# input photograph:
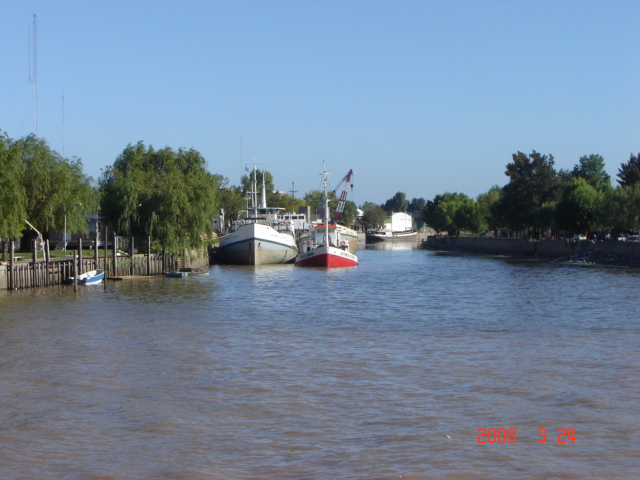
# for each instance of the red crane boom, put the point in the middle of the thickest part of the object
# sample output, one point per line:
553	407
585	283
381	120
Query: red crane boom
337	216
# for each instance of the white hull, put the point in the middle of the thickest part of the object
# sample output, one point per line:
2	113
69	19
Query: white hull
391	236
257	244
347	234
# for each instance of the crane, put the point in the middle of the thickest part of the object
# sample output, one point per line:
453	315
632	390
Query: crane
346	180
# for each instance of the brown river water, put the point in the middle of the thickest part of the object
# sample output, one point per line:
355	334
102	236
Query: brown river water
389	370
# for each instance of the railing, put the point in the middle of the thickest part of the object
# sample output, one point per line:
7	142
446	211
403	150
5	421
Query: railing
41	273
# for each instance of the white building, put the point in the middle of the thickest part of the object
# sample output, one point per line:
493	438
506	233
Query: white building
399	222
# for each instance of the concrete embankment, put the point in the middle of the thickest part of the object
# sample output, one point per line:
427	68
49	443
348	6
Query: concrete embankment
587	250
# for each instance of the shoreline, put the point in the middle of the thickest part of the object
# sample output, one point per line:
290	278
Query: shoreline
598	252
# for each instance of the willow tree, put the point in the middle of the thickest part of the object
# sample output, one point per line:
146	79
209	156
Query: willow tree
13	199
39	185
581	208
166	194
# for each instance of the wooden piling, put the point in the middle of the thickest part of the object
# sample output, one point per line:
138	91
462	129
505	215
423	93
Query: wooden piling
76	270
80	256
115	254
106	245
131	251
12	264
34	260
149	255
95	246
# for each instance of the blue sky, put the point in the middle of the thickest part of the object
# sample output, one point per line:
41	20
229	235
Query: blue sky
422	97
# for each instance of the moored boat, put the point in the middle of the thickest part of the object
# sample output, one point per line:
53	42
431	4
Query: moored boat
260	237
387	235
176	274
194	272
327	245
89	278
397	227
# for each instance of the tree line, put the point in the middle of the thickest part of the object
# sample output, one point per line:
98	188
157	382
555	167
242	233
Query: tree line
537	200
166	194
170	195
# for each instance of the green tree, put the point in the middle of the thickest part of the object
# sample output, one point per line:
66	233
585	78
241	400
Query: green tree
591	168
580	209
247	184
13	198
315	200
629	173
373	216
453	213
166	194
416	205
52	184
533	182
350	213
625	208
398	203
468	217
486	204
232	201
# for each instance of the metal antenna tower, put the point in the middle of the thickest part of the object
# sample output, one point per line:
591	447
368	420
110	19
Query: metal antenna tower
33	75
293	196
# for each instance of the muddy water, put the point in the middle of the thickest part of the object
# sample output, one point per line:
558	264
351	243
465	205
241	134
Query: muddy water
383	371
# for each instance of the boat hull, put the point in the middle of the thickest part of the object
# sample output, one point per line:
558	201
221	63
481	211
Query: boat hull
257	244
392	236
93	277
327	257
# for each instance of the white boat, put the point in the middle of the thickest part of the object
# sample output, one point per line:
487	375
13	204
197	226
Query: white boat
346	234
260	237
92	277
387	235
327	244
398	227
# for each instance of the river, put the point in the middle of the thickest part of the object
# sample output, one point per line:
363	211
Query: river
388	370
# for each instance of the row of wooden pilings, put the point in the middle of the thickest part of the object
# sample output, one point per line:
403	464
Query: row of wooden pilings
48	271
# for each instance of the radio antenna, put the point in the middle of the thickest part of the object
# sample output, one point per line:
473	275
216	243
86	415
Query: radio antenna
33	70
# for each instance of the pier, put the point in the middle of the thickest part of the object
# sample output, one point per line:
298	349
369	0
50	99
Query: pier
17	274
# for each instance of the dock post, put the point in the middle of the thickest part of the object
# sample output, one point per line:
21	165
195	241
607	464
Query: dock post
12	264
131	250
47	260
95	247
80	256
115	254
149	255
106	244
75	273
34	260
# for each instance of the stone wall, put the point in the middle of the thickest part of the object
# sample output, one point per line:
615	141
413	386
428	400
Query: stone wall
531	248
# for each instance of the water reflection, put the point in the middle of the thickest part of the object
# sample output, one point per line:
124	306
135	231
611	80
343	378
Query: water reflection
395	246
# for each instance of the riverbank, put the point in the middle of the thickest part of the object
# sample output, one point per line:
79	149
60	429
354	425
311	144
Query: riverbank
578	251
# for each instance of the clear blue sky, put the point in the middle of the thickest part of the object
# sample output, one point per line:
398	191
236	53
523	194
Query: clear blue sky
422	97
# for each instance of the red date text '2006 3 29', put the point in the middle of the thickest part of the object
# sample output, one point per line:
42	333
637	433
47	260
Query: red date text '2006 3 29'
510	435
